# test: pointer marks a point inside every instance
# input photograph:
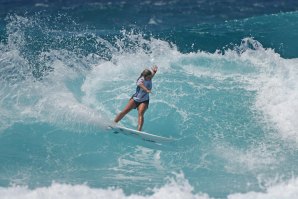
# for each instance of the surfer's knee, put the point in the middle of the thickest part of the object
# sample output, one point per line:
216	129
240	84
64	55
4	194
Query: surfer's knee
141	113
142	108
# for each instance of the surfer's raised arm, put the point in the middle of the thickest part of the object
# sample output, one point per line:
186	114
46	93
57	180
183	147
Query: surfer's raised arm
154	70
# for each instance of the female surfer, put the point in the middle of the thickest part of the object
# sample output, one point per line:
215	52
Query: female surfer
140	99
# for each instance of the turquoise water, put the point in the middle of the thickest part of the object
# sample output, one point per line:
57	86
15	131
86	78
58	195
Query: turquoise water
226	89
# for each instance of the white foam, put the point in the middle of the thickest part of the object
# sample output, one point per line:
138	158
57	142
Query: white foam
276	86
273	78
23	98
286	190
278	97
47	101
174	189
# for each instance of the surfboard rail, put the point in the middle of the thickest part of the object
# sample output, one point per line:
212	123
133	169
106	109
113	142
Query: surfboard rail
139	134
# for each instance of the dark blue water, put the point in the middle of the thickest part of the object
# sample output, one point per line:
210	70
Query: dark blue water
226	89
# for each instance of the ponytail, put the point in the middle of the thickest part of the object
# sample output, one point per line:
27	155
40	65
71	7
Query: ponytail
145	73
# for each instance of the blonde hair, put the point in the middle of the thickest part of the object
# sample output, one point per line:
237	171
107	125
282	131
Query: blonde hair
145	73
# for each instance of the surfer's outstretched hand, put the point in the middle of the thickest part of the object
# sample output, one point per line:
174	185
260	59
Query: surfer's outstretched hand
154	68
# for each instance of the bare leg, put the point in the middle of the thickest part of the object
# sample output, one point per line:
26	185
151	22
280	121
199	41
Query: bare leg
141	109
130	105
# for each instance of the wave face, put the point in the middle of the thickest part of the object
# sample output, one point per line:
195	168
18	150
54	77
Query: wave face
232	110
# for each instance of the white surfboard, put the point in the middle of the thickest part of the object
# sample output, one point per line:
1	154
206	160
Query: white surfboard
139	134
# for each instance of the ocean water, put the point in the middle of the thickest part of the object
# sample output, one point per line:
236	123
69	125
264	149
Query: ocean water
226	89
